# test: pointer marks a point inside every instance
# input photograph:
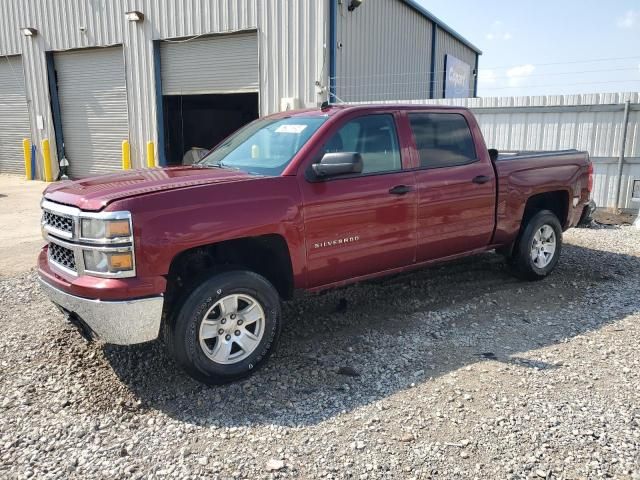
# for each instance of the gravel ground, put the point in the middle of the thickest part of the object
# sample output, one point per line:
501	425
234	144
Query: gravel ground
458	371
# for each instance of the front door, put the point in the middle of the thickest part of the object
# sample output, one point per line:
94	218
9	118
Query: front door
361	224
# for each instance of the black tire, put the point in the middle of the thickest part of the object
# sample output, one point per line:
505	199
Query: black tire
521	262
182	333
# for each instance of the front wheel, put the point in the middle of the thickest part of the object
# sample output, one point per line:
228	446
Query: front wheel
226	328
538	248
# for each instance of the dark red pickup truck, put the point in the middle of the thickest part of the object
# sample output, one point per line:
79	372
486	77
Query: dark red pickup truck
307	200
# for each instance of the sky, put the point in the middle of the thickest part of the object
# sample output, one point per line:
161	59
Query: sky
543	47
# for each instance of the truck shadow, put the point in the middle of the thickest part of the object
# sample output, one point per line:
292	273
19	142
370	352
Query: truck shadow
362	344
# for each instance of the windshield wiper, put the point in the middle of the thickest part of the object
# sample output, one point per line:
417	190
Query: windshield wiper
205	165
222	165
210	165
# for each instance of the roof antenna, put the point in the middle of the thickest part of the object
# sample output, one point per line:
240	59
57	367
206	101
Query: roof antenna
325	105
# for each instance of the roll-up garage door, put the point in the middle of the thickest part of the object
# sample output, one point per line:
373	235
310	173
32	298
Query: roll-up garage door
221	64
14	115
93	107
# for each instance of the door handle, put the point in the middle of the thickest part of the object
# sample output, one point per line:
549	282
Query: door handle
400	190
481	179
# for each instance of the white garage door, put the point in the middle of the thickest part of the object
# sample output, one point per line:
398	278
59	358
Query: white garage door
14	116
222	64
93	107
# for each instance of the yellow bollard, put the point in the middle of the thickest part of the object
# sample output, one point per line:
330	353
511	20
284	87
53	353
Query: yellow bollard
26	147
126	155
151	155
46	155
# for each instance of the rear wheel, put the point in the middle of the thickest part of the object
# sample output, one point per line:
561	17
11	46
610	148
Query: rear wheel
226	328
538	247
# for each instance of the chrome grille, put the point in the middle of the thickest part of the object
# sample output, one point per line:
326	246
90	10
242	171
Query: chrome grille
59	222
61	230
62	256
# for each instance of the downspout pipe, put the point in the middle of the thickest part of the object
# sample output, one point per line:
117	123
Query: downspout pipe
475	77
333	40
623	144
434	51
157	71
55	108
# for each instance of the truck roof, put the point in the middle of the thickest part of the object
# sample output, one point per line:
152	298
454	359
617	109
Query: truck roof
331	110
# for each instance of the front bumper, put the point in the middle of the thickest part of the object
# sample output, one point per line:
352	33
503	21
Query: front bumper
123	322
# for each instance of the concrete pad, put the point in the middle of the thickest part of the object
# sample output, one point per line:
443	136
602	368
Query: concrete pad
20	236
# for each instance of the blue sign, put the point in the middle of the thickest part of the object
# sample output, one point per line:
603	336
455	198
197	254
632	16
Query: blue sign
457	77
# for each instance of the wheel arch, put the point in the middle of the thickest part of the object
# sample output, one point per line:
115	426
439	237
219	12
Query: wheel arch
267	255
556	201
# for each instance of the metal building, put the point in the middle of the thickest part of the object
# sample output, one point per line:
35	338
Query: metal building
170	76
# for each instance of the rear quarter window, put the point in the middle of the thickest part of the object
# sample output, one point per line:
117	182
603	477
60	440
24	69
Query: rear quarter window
442	139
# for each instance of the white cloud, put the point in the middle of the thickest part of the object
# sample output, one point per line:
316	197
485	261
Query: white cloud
629	20
519	73
487	76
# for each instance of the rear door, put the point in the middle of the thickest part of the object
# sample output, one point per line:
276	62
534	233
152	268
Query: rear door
361	224
456	186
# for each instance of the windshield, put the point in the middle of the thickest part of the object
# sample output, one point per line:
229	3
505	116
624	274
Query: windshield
264	147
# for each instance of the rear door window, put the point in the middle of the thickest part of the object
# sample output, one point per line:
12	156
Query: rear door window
442	139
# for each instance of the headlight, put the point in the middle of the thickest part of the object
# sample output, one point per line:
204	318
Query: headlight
107	262
99	229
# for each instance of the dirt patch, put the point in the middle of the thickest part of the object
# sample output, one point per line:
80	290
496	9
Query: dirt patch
20	237
610	218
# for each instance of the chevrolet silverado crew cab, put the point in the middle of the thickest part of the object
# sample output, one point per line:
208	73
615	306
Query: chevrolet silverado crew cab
202	255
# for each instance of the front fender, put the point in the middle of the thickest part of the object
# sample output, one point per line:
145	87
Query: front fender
168	223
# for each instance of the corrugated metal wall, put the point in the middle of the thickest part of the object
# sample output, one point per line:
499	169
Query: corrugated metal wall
292	51
292	35
384	52
58	23
446	44
592	122
598	132
101	18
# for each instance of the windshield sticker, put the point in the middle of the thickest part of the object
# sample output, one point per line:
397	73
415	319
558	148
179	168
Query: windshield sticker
290	128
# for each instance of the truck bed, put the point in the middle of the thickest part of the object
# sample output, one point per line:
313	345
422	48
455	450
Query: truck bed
522	175
522	154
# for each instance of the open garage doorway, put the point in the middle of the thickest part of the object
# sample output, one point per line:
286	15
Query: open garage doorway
209	88
197	123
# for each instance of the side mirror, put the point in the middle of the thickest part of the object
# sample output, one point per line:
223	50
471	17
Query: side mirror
493	154
338	163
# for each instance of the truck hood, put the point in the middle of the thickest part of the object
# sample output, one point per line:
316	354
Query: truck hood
95	193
